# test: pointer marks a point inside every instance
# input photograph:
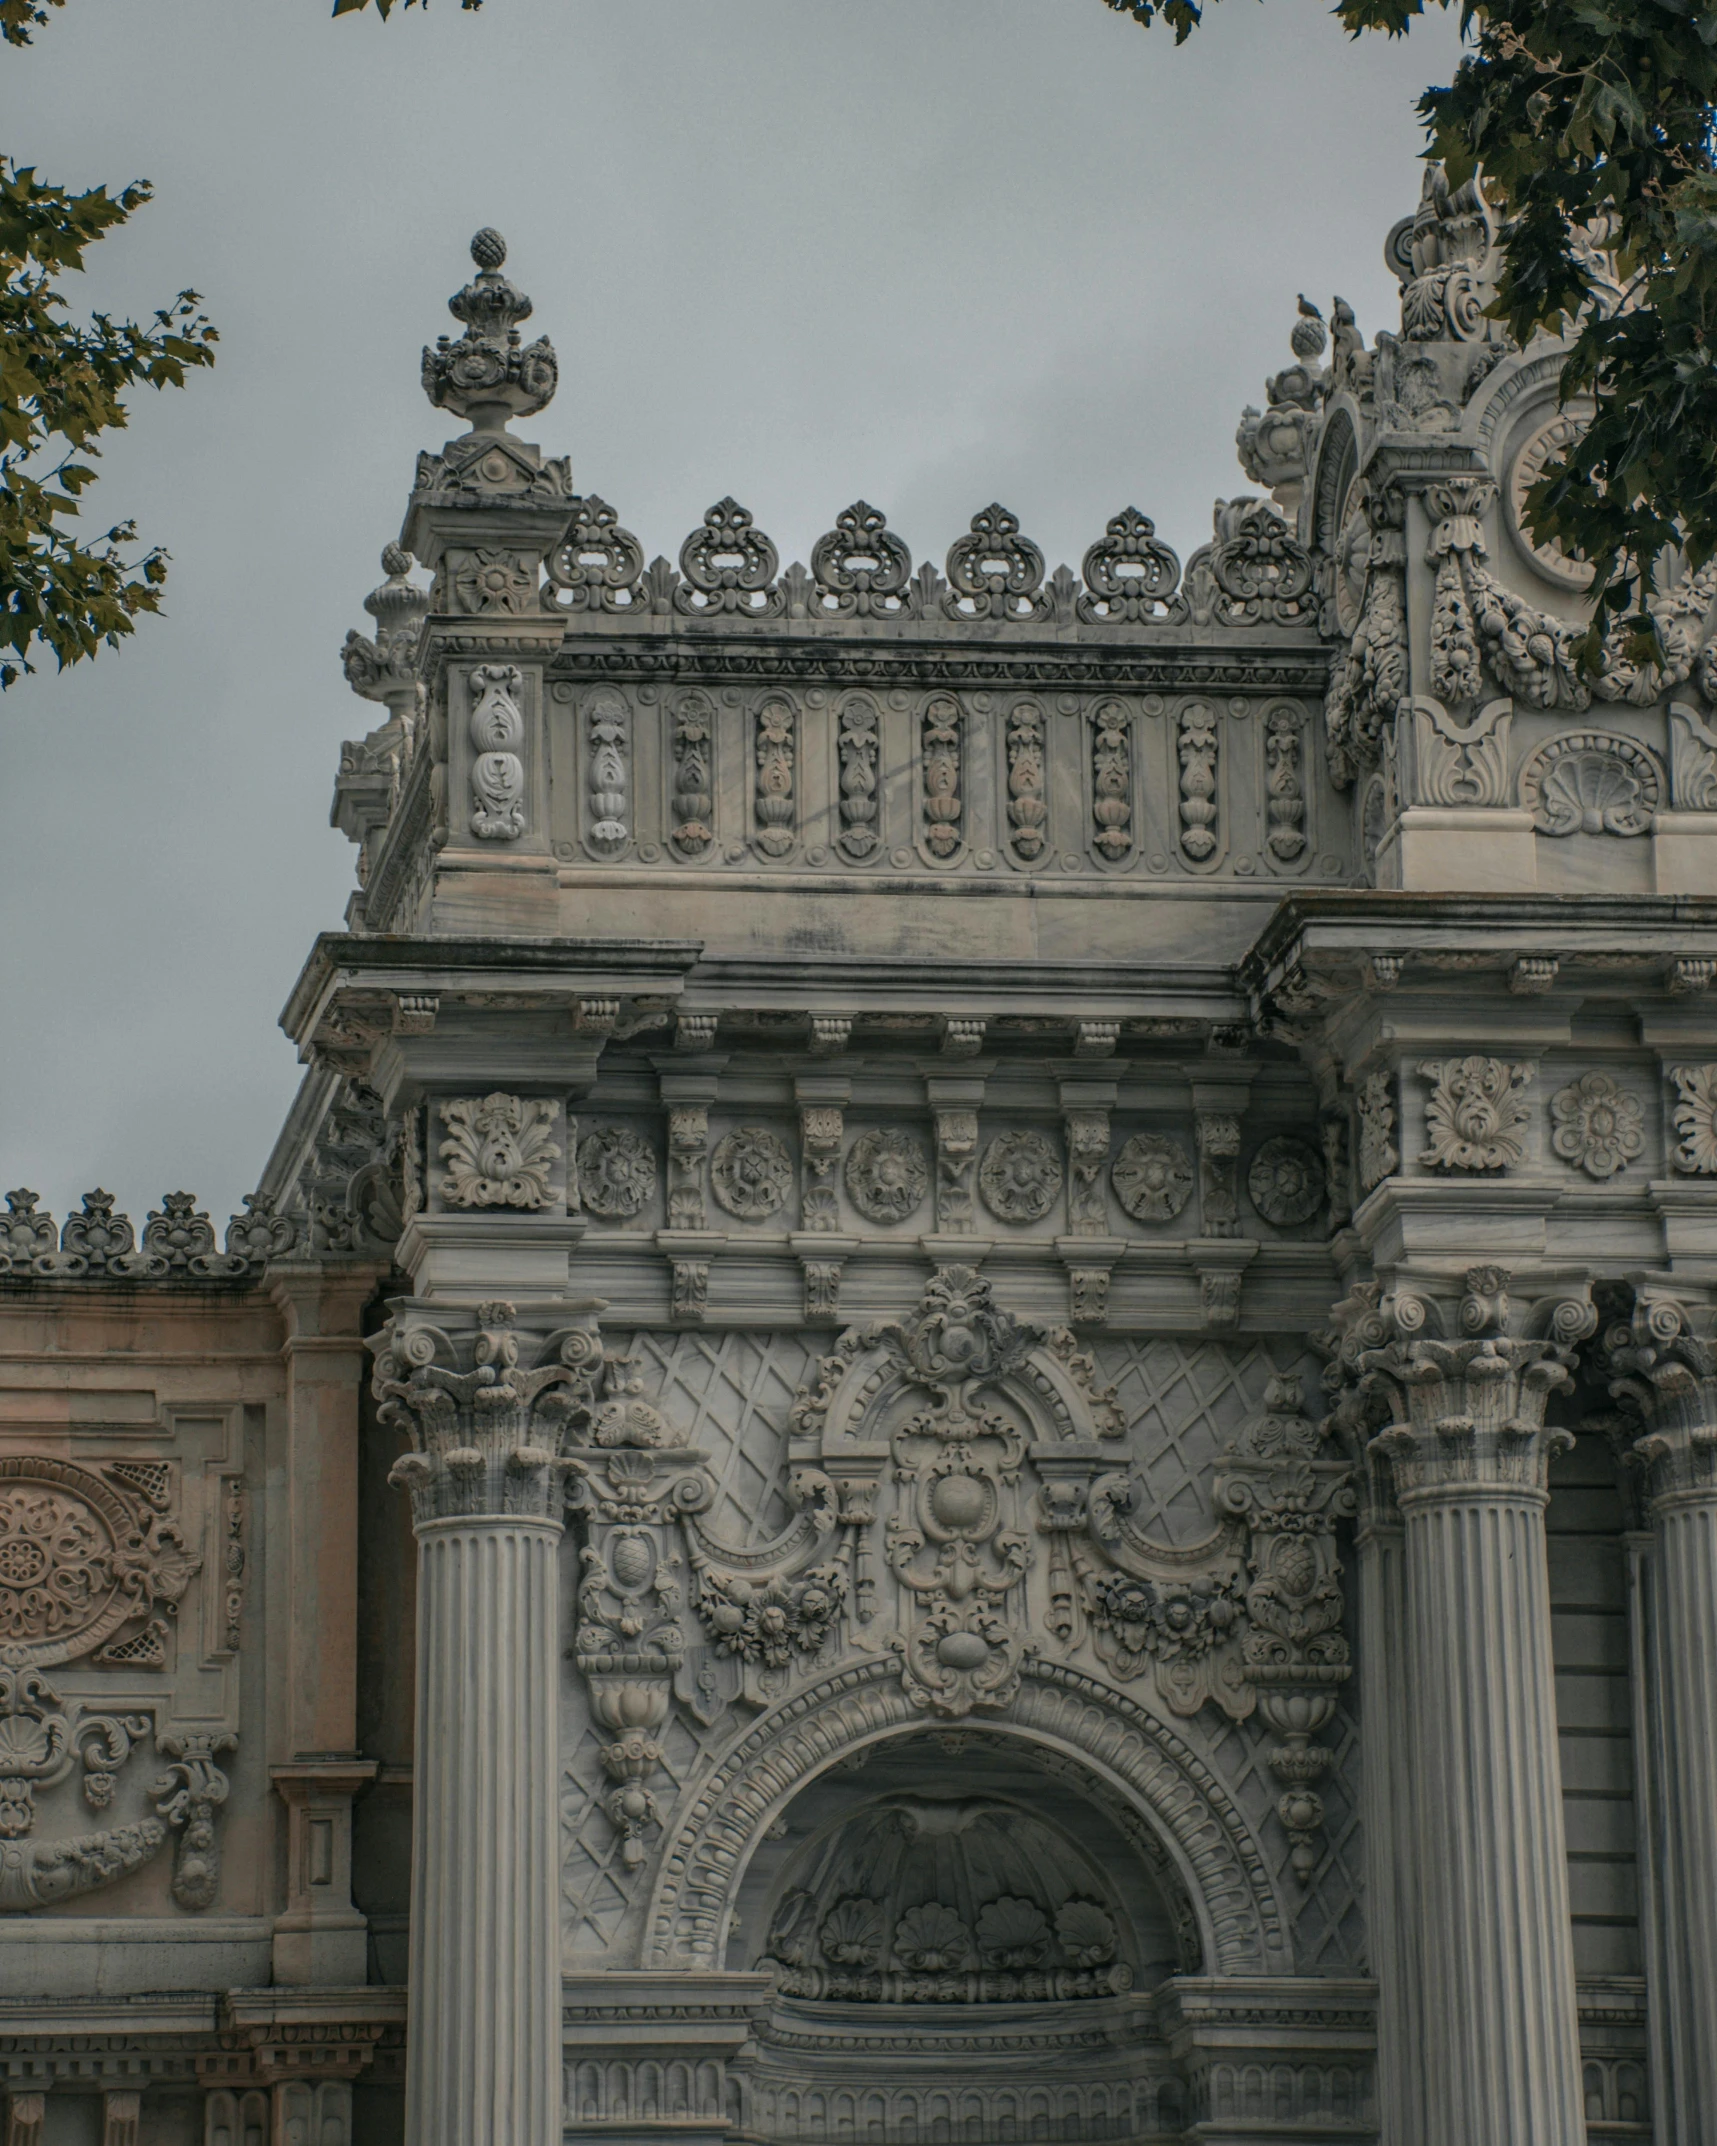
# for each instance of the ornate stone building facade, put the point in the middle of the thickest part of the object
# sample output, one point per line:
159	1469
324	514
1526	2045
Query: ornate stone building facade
975	1398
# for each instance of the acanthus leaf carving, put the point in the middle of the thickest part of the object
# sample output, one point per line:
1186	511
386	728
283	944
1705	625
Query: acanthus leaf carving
498	1151
1460	764
1695	1114
1475	1113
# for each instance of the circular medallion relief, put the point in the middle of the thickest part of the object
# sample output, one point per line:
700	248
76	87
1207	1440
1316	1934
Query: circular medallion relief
1541	448
616	1171
1286	1182
74	1564
1019	1177
1152	1177
887	1175
750	1172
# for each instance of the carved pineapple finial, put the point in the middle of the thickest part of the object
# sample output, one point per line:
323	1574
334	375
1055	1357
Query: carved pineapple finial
486	376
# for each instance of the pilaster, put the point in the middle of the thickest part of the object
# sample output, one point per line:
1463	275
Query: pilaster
321	1936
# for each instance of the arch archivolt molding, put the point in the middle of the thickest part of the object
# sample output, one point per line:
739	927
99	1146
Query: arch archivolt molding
1128	1752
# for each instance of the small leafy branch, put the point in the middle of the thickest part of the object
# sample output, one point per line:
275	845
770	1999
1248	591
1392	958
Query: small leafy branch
1593	123
61	383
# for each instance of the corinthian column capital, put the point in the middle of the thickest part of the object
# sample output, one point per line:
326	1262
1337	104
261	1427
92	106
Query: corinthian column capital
490	1397
1663	1366
1468	1368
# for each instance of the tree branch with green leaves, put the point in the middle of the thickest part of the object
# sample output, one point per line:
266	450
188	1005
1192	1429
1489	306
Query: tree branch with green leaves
62	384
1592	122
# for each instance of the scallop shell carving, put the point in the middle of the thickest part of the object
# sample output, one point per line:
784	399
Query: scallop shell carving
852	1933
1087	1933
1012	1933
932	1940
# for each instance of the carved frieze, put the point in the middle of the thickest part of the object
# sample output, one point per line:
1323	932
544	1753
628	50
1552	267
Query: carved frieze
1286	1182
775	751
1379	1156
1695	1115
858	742
497	740
1597	1125
1028	810
1198	750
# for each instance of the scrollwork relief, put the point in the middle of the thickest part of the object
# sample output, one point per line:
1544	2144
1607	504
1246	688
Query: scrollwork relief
861	569
1130	575
729	565
82	1555
993	571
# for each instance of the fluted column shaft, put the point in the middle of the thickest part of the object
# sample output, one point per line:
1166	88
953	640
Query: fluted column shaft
1684	1651
485	1396
1666	1358
484	2063
1496	1953
1392	1918
1465	1371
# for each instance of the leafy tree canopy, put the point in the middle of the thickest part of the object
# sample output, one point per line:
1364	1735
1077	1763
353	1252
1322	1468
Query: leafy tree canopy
61	383
1593	122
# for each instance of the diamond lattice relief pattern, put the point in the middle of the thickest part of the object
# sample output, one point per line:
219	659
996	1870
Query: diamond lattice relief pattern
729	1395
1185	1401
1329	1927
596	1886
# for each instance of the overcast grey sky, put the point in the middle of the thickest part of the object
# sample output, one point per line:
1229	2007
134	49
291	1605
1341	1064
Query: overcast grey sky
933	252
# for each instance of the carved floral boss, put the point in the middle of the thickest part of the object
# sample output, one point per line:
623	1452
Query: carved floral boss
958	1511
